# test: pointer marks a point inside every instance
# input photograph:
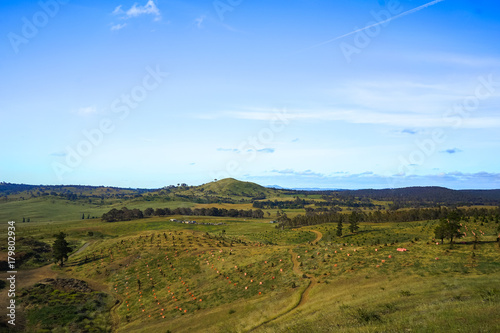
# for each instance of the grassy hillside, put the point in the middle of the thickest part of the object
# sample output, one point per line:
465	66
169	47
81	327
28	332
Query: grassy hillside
227	190
48	208
233	187
250	275
231	274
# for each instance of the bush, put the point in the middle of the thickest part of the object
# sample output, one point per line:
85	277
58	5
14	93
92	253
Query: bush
365	316
405	293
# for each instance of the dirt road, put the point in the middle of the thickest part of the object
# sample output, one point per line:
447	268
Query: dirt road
296	269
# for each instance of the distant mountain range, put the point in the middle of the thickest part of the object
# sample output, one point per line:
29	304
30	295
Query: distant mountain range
305	188
232	188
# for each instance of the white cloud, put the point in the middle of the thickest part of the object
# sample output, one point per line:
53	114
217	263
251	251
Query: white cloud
291	172
398	109
236	150
148	9
118	10
367	117
119	26
136	10
399	103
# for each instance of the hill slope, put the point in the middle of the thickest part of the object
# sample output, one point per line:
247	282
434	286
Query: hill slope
233	187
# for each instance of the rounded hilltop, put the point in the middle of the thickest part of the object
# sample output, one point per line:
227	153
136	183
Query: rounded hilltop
234	187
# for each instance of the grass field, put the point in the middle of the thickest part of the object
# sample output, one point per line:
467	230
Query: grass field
45	209
157	271
244	274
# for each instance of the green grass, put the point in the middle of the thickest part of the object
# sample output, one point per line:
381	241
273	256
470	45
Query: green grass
51	309
125	261
283	237
365	291
47	209
233	187
376	305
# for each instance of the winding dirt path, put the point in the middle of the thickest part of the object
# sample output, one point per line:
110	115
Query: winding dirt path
28	277
319	235
296	269
115	318
80	249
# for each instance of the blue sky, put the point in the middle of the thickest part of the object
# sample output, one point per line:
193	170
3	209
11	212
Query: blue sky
333	94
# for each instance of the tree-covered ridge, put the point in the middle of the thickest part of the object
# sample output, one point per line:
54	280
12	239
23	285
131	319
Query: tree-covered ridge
234	191
409	215
428	196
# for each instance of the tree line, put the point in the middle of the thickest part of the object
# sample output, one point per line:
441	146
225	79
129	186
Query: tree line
410	197
126	214
298	203
282	204
409	215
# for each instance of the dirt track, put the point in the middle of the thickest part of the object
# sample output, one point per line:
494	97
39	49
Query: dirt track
80	249
296	269
319	235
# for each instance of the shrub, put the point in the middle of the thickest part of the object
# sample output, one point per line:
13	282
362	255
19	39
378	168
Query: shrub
405	293
365	316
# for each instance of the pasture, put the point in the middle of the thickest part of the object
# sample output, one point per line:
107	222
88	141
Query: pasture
248	275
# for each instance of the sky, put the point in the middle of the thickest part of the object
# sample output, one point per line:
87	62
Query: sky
319	94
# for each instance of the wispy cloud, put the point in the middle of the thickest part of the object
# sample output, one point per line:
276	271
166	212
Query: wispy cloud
235	150
451	151
291	172
148	9
228	150
118	26
136	10
118	10
404	119
411	11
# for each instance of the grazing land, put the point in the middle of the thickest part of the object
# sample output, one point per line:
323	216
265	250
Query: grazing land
235	271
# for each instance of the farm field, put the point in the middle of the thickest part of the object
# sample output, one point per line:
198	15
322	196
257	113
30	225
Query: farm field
244	274
169	276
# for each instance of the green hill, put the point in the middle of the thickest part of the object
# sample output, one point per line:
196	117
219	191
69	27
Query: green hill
233	187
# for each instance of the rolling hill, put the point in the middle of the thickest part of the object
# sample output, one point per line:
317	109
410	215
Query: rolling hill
209	267
233	187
